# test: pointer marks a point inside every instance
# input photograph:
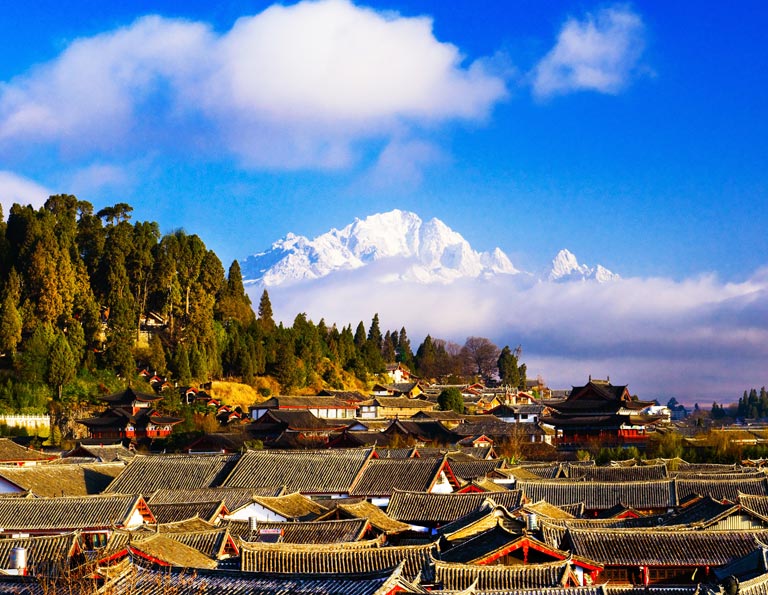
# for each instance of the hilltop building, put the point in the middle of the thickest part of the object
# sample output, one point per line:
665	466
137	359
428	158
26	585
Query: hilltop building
599	413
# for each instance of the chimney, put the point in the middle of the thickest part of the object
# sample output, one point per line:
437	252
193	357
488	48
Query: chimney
532	522
19	561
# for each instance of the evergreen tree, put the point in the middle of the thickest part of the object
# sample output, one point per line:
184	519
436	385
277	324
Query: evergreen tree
197	364
426	358
157	361
234	303
266	319
120	338
371	351
10	325
32	363
451	399
404	352
62	365
374	332
286	370
211	277
388	349
191	254
76	340
360	337
523	375
181	364
347	347
508	368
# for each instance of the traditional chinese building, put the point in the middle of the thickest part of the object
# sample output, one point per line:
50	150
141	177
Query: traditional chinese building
599	413
131	415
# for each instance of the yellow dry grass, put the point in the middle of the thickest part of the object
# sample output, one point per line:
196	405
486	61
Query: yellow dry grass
235	394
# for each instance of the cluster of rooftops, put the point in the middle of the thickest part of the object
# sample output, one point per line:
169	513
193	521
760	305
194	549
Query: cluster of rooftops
401	414
376	521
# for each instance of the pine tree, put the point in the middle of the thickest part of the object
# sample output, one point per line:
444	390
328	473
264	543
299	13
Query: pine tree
234	303
157	361
508	367
76	340
360	337
451	399
32	363
62	364
388	349
197	364
181	364
266	319
426	358
404	352
10	326
286	370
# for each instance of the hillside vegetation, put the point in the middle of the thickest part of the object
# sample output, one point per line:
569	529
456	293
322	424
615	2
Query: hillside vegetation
88	298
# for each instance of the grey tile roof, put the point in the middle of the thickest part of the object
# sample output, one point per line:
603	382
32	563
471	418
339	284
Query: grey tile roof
147	474
603	495
419	507
179	511
63	479
161	546
455	577
142	581
292	559
10	452
382	476
755	504
374	514
480	546
233	498
635	473
313	471
42	552
108	453
291	506
702	512
488	515
650	547
722	488
211	541
69	513
475	469
317	531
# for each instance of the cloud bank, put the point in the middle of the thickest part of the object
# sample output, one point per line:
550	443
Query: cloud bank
698	339
599	53
18	189
298	86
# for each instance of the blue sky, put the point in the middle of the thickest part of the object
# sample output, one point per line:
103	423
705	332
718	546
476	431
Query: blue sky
661	172
633	134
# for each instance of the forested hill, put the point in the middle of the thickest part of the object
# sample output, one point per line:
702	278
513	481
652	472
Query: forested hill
89	295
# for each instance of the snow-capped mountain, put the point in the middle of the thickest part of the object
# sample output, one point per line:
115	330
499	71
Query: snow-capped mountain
420	251
565	267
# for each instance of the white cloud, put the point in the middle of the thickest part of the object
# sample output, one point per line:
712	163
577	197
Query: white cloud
294	86
17	189
598	53
98	176
697	339
401	164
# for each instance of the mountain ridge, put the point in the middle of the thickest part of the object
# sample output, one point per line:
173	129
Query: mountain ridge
415	250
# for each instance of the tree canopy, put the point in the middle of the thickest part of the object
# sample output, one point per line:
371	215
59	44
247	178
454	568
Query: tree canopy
83	292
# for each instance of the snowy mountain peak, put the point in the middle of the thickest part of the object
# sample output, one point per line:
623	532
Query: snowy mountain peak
565	267
398	242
